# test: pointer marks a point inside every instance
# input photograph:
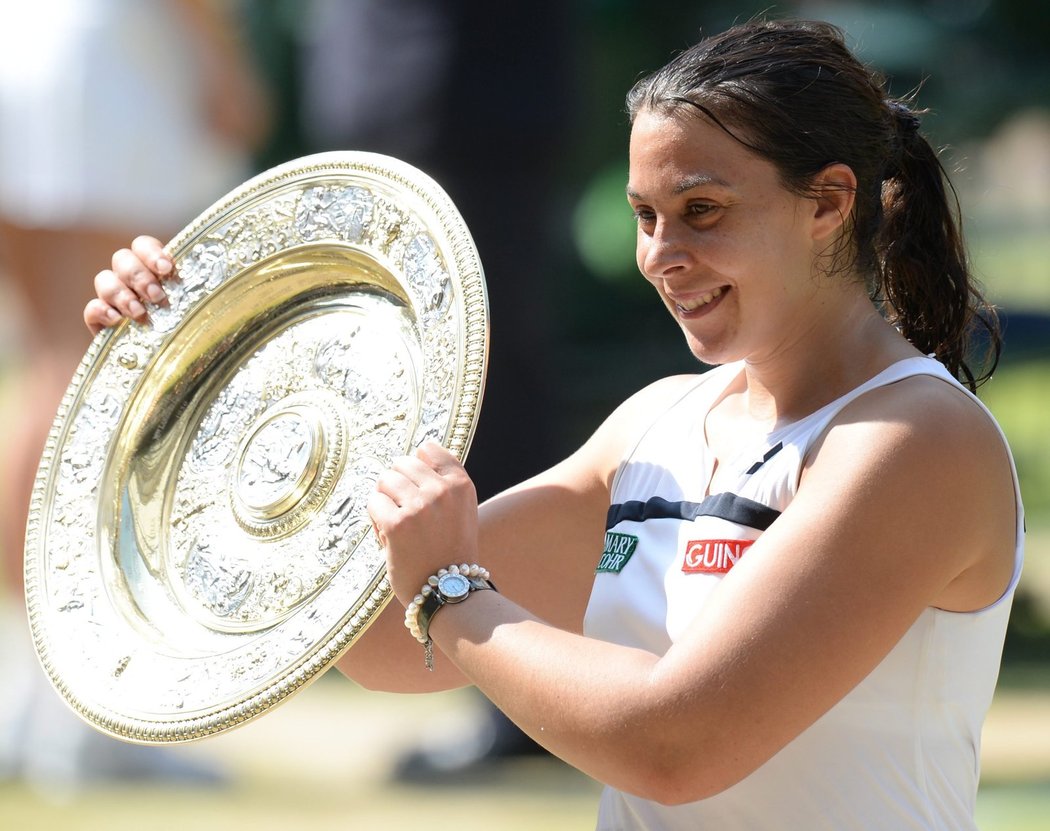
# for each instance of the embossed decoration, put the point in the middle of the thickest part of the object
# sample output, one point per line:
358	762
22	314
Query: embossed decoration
198	546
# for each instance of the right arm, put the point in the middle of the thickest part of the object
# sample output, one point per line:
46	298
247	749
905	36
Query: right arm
541	540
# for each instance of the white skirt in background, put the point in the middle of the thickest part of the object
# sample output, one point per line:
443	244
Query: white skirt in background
102	121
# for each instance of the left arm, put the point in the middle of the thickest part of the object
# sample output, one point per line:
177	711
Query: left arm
893	514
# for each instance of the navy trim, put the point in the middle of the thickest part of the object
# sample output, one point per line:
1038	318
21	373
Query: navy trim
769	455
727	506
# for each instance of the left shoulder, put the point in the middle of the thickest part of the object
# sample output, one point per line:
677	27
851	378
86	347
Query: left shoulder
922	416
922	457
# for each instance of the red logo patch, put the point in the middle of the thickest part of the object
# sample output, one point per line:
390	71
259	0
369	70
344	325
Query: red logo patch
713	556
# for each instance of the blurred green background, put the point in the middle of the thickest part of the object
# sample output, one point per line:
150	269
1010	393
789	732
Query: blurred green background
324	760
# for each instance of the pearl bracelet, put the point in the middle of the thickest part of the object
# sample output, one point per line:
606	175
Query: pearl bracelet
450	585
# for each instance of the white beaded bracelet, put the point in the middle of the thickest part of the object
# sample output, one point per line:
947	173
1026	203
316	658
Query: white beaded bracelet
450	585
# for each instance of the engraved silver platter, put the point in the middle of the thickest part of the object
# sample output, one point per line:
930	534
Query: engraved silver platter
198	546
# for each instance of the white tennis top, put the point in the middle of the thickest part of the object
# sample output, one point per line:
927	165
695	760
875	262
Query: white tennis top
902	749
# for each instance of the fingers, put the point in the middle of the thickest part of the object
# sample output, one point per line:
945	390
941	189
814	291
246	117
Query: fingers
116	297
151	252
138	275
429	481
133	282
437	457
99	315
424	511
429	470
381	509
408	481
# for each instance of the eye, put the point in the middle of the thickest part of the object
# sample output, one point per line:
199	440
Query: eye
643	215
702	209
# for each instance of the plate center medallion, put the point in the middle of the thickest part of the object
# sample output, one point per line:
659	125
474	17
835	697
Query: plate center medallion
278	464
286	466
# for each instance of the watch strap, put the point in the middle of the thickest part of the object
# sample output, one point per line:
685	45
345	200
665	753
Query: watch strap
435	600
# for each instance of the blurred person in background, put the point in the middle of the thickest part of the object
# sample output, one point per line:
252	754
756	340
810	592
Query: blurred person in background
102	128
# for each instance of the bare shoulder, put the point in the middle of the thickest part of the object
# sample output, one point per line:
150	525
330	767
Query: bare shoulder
926	418
930	461
655	397
610	442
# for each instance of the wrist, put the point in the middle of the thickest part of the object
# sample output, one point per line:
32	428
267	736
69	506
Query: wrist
449	586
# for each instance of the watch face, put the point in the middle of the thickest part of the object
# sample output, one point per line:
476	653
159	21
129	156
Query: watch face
453	586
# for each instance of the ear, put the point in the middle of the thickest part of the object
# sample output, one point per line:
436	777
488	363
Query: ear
834	190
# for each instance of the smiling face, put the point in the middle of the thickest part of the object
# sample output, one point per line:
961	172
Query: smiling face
730	250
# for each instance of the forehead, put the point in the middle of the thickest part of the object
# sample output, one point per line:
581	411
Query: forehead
674	152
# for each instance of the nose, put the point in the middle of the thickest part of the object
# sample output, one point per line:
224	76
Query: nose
662	252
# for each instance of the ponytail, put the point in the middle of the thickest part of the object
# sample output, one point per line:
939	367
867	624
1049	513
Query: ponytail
922	274
793	93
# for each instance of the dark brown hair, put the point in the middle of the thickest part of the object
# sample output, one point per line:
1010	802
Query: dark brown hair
794	94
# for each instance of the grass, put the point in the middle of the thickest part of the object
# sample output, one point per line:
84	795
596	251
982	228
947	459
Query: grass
278	808
1019	396
1021	807
323	761
524	807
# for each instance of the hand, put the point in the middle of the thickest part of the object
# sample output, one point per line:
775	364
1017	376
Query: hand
425	511
134	279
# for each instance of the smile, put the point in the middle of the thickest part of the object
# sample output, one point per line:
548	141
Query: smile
691	305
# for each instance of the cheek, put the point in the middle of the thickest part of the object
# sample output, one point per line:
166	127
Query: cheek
728	256
758	256
641	251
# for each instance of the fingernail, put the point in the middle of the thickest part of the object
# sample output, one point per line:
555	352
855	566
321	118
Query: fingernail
163	265
136	309
156	293
112	315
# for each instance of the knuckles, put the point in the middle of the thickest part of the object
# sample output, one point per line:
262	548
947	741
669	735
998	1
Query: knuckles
121	259
438	498
140	278
103	280
145	241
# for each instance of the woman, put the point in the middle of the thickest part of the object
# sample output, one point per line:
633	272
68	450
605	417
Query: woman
773	595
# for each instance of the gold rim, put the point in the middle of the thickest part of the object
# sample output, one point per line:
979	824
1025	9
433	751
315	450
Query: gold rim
198	547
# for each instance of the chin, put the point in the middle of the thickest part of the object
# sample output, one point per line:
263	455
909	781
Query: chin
710	354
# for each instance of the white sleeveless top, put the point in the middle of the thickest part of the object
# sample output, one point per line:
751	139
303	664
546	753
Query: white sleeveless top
902	749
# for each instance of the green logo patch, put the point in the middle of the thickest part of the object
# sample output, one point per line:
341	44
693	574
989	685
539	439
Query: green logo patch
618	550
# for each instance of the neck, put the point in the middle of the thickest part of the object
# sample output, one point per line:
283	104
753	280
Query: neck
829	355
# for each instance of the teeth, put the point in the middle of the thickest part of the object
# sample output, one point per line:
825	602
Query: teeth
703	300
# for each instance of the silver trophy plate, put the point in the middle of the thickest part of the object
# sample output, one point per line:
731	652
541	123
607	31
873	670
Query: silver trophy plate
198	545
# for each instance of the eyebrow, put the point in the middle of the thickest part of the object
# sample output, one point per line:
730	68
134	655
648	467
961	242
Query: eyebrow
687	184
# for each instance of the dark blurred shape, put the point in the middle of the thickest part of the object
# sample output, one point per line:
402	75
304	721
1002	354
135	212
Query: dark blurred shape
1026	334
479	96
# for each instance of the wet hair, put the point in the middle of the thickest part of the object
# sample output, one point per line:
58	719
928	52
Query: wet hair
794	94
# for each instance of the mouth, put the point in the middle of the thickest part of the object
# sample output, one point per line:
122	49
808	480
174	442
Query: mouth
701	303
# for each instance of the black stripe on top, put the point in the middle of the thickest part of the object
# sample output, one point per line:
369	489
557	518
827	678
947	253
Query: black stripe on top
727	506
769	455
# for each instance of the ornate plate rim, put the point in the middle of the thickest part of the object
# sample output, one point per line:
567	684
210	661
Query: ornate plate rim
461	259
